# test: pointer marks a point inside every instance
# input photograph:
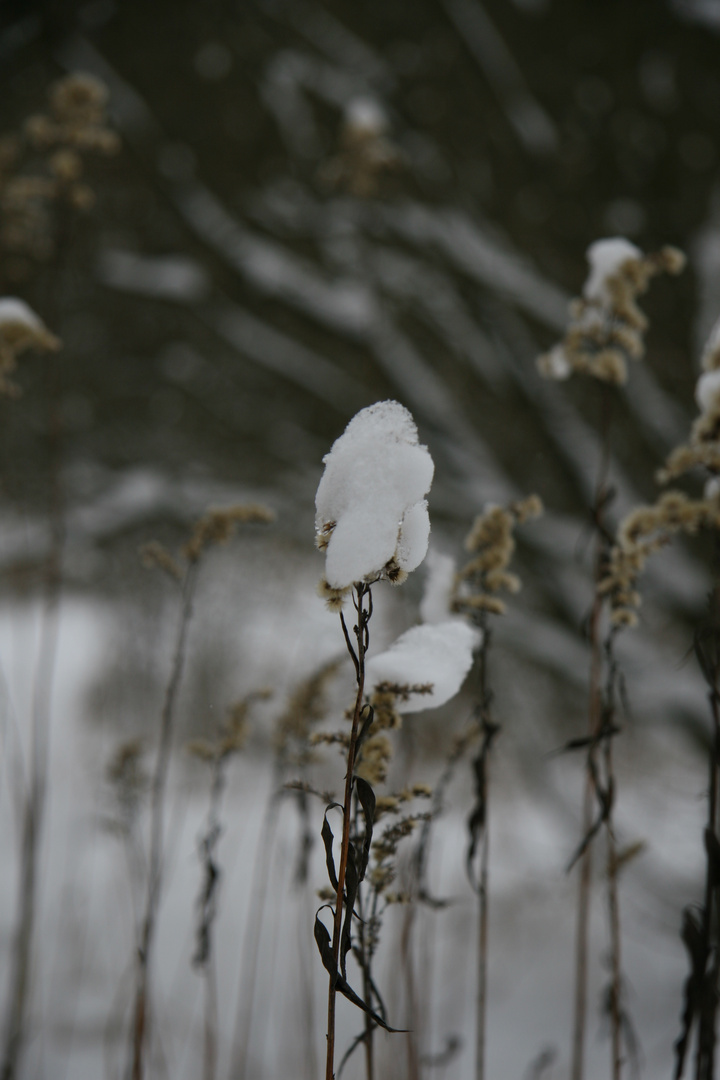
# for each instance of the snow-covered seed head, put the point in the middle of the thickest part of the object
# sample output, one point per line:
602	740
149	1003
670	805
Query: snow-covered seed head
703	446
372	520
606	326
20	329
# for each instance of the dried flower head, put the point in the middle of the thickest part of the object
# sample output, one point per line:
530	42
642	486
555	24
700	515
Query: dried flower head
366	155
644	531
491	543
20	329
44	168
703	447
218	525
606	326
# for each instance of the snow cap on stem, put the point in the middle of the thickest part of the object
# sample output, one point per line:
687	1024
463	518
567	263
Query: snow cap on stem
438	655
372	520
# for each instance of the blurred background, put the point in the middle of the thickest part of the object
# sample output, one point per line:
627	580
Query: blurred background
315	206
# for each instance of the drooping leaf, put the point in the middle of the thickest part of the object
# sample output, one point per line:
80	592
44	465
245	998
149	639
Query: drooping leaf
369	716
327	839
340	984
351	890
366	797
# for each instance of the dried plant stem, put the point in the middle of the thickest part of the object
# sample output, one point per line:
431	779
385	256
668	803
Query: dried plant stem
210	1027
482	960
614	919
406	952
577	1067
585	879
39	751
140	1028
253	936
488	731
705	1053
362	597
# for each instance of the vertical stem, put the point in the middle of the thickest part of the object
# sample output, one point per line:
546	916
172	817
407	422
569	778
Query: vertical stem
35	798
488	730
705	1053
615	940
361	637
577	1067
482	958
210	1024
157	801
252	938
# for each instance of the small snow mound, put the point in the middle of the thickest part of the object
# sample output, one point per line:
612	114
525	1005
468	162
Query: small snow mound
440	654
366	115
710	359
707	391
606	258
435	604
370	505
17	312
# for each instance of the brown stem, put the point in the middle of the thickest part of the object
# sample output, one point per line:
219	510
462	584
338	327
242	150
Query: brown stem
253	936
361	637
482	958
577	1066
36	795
614	918
157	801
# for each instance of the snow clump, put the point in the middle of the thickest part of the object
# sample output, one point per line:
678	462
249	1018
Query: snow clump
707	392
606	259
436	604
372	520
439	654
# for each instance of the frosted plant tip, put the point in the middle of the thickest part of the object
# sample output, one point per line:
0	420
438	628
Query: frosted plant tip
372	519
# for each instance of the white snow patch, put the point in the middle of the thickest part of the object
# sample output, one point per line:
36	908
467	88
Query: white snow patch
17	311
435	604
708	360
557	364
606	257
707	391
366	115
440	654
370	499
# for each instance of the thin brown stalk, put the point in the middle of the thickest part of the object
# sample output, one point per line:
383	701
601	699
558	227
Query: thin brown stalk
577	1067
615	937
141	1012
480	1035
406	952
210	1026
253	936
36	794
362	592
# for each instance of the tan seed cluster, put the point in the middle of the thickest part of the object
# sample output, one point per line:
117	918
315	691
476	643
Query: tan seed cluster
607	328
366	156
45	167
20	330
217	526
232	734
644	531
491	543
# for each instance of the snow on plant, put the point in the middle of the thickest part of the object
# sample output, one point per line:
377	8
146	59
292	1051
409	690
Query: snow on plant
648	529
372	519
20	329
606	326
372	523
438	655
